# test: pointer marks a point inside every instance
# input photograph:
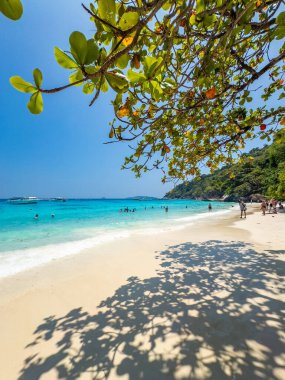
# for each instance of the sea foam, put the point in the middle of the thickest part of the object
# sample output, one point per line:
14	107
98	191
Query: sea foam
15	261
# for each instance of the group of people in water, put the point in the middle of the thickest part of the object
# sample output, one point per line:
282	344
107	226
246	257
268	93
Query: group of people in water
127	209
166	208
36	217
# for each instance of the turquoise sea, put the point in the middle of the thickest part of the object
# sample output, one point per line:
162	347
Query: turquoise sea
83	223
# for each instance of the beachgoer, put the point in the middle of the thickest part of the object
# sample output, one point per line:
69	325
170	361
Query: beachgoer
52	215
280	205
274	205
242	207
209	207
166	209
36	216
270	206
263	207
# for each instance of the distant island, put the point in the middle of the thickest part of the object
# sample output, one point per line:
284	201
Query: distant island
262	175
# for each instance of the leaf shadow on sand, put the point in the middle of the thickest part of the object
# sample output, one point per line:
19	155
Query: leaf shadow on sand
214	311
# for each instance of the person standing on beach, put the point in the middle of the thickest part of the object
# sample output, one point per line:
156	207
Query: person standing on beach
242	207
274	205
209	207
263	207
270	206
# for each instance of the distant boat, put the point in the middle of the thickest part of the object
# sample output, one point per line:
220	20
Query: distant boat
23	200
58	199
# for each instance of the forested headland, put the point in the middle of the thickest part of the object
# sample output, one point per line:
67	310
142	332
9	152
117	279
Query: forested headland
261	175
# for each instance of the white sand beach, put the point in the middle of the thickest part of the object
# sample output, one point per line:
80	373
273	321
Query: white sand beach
204	302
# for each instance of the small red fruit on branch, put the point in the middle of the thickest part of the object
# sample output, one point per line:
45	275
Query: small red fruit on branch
262	127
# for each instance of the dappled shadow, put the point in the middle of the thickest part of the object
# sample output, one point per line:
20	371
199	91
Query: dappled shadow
214	311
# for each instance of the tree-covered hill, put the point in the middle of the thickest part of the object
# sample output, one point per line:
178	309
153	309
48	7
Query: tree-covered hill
262	174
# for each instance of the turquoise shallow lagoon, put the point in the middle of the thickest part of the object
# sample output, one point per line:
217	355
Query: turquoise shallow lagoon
78	224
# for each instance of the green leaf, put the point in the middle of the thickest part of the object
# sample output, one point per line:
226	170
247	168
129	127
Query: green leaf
107	11
150	64
209	20
91	69
135	77
123	61
192	20
78	45
75	77
167	5
12	9
92	52
64	60
280	19
200	6
21	85
117	81
156	90
128	20
102	56
280	32
88	88
38	77
35	104
104	86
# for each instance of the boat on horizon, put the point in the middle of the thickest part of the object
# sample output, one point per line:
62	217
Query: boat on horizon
58	199
23	200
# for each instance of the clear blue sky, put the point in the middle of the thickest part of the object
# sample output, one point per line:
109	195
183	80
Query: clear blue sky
60	152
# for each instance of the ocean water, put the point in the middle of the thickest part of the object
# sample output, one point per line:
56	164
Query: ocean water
79	224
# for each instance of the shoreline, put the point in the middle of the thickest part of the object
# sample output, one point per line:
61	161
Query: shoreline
98	251
86	280
20	260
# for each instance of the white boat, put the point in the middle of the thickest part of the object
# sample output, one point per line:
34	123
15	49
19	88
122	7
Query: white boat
23	200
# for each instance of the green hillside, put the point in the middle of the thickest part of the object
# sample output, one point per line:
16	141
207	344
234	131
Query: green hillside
262	173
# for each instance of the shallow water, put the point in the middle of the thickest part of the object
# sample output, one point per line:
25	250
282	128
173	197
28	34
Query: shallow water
78	224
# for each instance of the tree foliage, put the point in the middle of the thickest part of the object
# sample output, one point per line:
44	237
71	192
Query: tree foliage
262	173
193	80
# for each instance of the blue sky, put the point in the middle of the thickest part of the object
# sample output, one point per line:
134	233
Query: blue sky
60	152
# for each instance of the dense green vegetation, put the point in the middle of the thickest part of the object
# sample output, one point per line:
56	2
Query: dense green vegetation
263	173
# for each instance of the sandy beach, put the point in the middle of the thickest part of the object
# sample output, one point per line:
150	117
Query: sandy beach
203	302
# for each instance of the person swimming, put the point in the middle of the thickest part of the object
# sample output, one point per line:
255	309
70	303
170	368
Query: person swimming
36	217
